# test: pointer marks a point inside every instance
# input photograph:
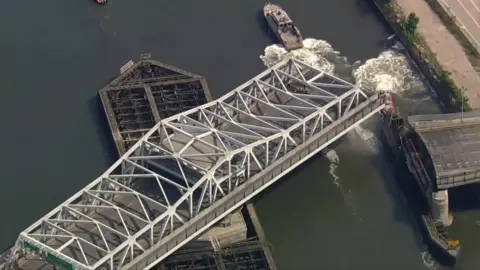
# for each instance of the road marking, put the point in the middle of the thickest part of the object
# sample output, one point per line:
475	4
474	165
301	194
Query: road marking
468	12
456	18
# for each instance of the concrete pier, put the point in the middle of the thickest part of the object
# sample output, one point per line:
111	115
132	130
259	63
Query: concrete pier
440	209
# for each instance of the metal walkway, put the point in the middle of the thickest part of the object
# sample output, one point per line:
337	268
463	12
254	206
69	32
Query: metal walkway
192	169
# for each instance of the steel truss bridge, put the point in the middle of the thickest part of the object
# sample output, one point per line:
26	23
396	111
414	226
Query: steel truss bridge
192	169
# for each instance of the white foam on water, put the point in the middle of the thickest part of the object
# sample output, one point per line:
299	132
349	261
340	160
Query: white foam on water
389	72
367	137
428	260
317	53
348	197
314	52
334	159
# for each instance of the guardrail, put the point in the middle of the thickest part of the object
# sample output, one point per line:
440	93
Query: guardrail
432	122
259	182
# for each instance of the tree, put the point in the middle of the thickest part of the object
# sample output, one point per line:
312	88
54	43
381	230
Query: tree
412	23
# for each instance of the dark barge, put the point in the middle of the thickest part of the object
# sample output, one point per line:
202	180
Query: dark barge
145	93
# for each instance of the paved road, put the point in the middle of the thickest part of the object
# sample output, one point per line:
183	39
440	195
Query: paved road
468	14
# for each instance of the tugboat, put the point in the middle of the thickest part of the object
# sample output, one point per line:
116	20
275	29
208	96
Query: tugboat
101	2
283	27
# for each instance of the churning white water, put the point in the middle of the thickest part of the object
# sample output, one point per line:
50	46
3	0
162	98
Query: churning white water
390	72
347	194
317	53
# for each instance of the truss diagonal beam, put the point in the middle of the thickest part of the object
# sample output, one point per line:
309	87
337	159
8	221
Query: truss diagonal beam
178	179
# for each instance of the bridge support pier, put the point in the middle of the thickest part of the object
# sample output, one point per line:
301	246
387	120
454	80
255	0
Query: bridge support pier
440	209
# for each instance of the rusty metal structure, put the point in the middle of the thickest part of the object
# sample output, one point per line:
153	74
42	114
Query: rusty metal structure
145	93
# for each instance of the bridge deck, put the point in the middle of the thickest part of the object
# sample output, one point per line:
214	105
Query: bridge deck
453	145
192	169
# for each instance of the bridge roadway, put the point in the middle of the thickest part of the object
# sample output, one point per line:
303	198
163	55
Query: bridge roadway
452	147
466	13
194	168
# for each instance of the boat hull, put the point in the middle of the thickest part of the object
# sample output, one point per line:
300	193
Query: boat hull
286	32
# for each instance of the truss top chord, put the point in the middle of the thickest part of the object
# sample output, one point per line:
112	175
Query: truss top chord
170	180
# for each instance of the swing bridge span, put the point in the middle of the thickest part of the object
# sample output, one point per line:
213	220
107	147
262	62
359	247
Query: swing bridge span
193	169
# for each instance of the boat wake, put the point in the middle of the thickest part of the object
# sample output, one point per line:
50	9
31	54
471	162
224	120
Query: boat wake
317	53
347	195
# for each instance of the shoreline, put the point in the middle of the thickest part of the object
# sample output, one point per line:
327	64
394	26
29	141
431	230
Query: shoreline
457	29
421	56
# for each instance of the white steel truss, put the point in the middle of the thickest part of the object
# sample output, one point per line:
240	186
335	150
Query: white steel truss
189	162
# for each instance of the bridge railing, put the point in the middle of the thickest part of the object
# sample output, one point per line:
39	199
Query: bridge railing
260	182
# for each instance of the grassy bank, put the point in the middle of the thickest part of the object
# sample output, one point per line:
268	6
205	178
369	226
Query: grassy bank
406	29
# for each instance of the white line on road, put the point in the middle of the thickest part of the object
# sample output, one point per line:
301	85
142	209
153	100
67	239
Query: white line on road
460	22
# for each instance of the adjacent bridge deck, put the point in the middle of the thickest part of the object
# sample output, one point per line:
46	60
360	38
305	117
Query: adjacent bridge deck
452	143
192	169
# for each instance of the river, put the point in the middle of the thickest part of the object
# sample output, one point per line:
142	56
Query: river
342	210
